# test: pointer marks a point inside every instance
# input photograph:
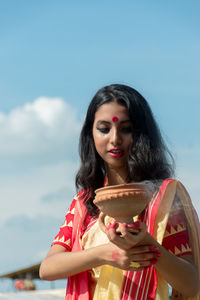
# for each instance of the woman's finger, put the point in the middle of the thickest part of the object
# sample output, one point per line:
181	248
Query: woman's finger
115	238
148	256
144	249
133	238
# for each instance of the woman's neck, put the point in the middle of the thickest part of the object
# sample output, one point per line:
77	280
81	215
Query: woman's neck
116	176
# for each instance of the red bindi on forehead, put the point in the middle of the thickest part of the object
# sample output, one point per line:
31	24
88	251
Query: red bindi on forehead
115	119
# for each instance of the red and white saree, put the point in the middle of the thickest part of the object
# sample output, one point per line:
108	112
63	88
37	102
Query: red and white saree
112	283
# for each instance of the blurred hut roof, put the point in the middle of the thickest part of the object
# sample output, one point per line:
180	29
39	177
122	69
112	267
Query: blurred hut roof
31	272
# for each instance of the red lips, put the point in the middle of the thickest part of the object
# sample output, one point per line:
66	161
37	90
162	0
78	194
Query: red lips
116	153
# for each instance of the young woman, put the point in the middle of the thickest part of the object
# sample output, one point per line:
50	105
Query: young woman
120	143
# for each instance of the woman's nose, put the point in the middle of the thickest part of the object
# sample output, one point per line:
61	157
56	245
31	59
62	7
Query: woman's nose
115	138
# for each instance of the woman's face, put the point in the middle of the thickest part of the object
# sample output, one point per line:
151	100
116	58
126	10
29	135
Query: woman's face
112	133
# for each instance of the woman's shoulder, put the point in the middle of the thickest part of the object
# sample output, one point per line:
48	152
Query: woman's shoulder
174	186
174	181
166	181
170	185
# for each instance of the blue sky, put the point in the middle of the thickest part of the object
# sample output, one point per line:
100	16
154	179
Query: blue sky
54	55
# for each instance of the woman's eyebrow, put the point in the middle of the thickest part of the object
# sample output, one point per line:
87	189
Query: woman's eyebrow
100	122
125	121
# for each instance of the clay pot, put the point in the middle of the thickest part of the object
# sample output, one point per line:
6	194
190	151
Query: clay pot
122	202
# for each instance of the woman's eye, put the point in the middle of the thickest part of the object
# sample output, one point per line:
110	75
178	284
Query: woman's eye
103	129
127	129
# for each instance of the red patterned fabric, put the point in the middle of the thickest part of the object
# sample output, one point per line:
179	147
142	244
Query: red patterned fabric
176	238
63	238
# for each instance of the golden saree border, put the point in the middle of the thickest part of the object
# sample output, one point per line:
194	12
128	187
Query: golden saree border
108	278
109	284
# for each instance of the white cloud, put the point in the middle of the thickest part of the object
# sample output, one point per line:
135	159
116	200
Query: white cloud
39	157
23	193
46	128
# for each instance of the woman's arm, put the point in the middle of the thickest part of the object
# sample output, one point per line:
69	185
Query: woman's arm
60	264
120	252
179	272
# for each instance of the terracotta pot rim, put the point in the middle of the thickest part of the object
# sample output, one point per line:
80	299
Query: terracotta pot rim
134	186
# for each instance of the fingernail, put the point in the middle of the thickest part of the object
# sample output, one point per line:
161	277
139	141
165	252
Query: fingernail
153	248
134	225
157	254
111	225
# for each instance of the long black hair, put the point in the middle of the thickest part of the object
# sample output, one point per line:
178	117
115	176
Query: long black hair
149	158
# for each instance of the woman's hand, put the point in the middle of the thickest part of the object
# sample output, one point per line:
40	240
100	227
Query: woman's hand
128	250
133	259
127	236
